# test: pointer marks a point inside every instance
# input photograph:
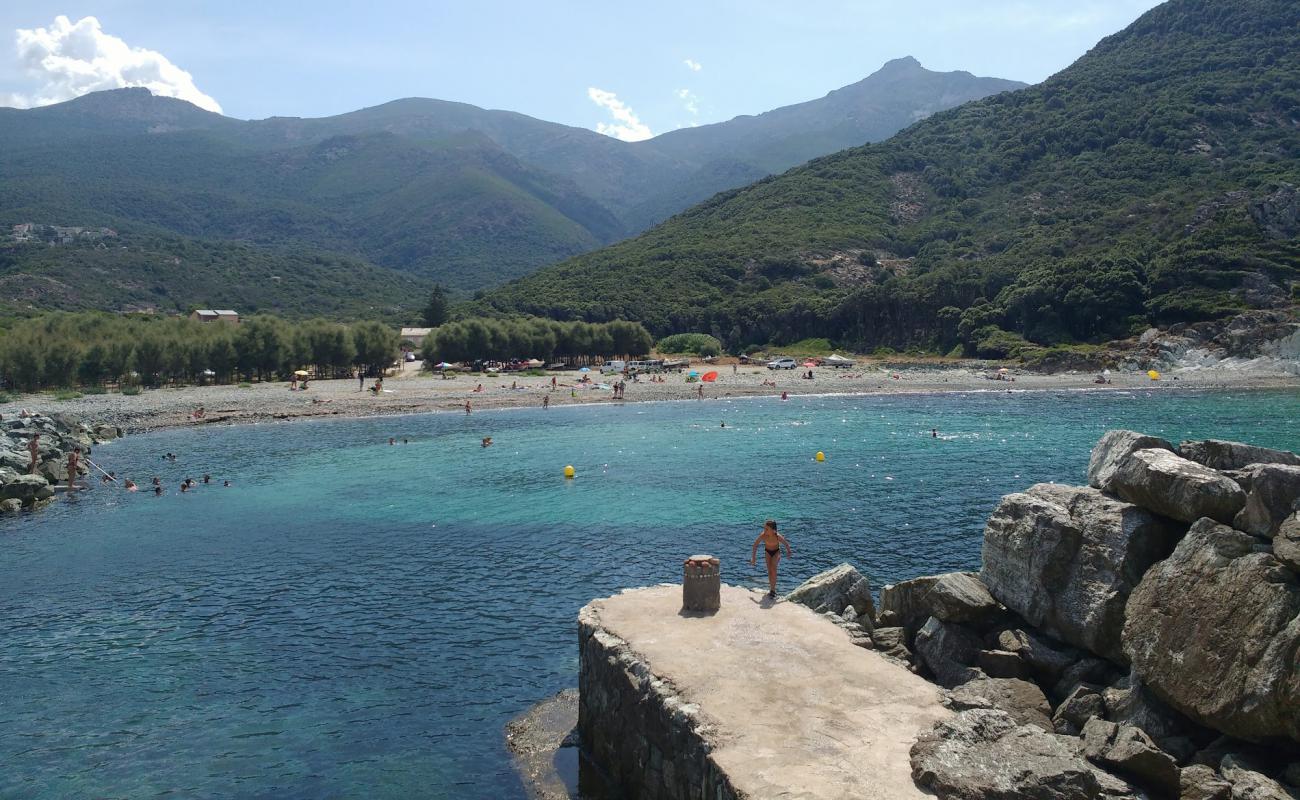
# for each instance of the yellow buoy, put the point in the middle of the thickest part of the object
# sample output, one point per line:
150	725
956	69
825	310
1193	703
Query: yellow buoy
820	456
569	471
1153	375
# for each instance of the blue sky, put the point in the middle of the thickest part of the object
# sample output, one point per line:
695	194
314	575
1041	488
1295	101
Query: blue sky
654	66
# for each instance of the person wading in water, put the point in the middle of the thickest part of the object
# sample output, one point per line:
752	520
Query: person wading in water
772	542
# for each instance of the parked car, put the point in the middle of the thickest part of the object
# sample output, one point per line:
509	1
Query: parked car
410	357
782	363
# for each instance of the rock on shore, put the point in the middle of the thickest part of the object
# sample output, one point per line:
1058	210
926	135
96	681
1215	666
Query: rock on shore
1158	612
21	489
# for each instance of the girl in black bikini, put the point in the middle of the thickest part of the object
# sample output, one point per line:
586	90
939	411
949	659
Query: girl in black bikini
772	542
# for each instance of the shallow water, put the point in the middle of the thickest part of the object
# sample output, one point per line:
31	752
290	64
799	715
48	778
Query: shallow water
351	619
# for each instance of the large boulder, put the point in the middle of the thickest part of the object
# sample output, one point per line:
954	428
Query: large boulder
1128	702
26	489
949	650
1214	631
952	597
1113	449
1286	544
1130	752
903	604
1022	700
1168	484
982	754
1274	495
1077	708
1218	454
834	590
892	642
1065	558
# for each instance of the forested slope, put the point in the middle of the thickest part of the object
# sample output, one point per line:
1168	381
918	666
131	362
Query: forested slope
1151	181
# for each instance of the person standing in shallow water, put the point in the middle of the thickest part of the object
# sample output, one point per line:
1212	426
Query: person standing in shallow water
772	542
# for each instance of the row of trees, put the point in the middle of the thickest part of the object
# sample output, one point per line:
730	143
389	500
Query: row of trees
544	339
91	348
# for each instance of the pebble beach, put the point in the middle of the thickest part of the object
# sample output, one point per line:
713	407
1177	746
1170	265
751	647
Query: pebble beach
413	391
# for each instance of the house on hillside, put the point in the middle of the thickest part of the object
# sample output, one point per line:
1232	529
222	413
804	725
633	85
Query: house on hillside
413	337
218	315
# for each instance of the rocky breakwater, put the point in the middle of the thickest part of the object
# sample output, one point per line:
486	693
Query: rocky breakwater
1137	637
55	436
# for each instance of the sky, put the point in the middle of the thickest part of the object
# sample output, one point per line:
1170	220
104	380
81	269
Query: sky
629	70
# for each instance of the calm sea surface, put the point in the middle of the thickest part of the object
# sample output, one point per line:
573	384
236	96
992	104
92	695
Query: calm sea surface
351	619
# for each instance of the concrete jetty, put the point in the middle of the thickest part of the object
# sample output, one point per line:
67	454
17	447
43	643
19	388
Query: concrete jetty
760	699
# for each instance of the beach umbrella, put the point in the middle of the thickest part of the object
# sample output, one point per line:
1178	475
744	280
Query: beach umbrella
443	365
532	362
810	363
585	369
709	377
301	373
694	373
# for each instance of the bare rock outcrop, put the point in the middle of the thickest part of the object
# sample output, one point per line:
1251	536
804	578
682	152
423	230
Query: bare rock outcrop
951	597
835	590
982	754
1273	495
1214	630
1175	487
1065	558
1130	752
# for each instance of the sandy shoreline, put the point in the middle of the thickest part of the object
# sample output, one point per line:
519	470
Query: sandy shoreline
413	393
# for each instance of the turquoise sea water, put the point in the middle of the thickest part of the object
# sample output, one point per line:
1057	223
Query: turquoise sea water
353	619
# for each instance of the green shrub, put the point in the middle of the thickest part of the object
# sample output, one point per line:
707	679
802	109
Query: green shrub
131	391
700	344
94	390
67	394
957	352
6	397
245	385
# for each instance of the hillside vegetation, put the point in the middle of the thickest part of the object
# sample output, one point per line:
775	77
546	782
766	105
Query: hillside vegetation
1150	182
170	274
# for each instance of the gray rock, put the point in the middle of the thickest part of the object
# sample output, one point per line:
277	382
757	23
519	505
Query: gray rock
26	489
1111	451
948	650
1218	454
1286	544
1065	558
836	589
1273	496
892	642
903	604
1128	702
1130	752
10	505
1002	664
982	754
1081	705
962	597
1048	660
1214	630
1250	784
1292	774
1199	782
1086	670
1168	484
1022	700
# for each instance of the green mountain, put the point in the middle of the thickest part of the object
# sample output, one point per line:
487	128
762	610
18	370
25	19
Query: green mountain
1151	181
444	191
170	274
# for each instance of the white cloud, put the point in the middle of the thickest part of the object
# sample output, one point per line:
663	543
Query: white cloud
689	101
69	59
629	127
692	65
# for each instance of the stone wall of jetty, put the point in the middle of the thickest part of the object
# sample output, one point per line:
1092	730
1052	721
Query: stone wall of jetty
648	742
1136	637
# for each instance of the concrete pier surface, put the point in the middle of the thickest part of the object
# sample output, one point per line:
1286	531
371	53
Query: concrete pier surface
786	705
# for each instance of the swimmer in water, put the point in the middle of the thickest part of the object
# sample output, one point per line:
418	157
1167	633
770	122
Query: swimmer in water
772	542
934	433
130	486
785	396
487	441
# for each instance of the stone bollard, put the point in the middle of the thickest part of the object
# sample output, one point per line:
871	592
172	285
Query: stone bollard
701	584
